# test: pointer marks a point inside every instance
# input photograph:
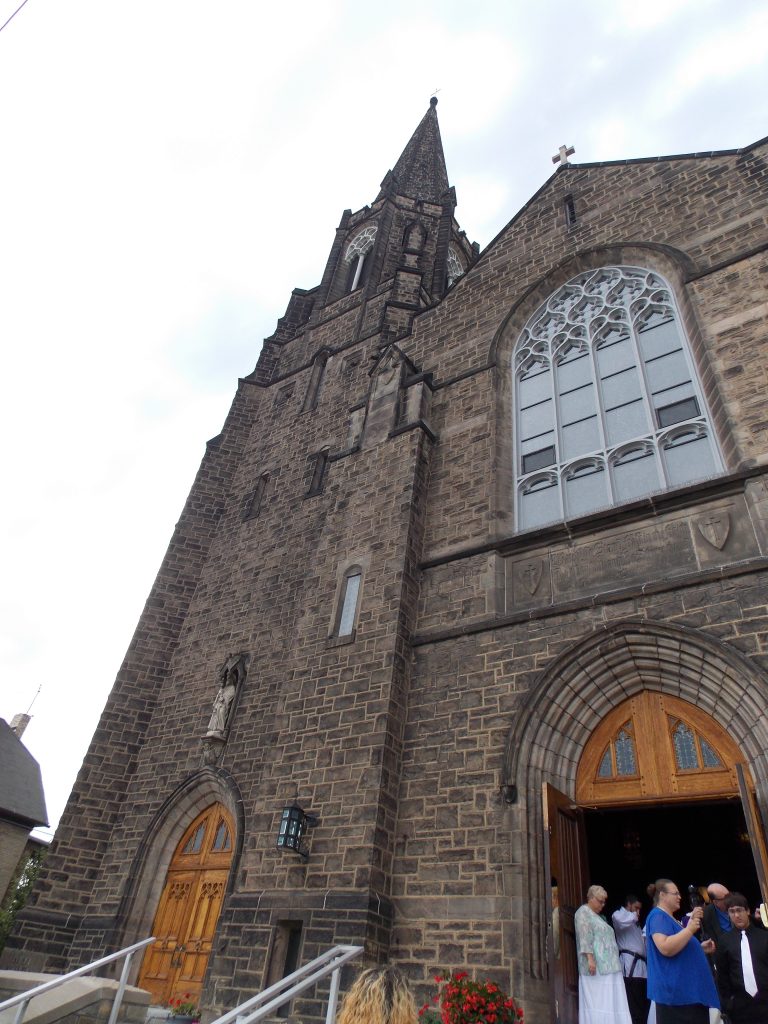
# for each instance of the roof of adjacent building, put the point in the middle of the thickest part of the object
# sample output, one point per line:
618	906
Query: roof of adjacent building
21	785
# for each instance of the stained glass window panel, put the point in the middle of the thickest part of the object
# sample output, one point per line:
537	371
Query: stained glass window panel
686	756
605	771
708	755
626	761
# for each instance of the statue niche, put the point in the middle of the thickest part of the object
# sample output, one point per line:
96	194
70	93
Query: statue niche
230	682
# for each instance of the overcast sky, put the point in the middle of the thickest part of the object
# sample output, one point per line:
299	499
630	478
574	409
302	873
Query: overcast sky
172	169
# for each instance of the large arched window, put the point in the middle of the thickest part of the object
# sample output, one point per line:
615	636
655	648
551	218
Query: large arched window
607	404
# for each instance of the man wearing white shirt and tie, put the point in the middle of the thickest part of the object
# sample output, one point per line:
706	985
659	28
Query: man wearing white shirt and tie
742	966
629	938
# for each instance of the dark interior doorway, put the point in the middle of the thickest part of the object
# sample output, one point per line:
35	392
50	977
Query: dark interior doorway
693	844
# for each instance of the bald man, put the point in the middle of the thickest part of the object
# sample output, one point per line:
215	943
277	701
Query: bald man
716	921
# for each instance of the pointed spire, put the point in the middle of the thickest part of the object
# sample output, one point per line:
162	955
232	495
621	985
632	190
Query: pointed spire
420	173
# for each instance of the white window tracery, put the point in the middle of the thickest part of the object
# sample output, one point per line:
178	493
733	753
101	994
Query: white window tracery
455	269
357	250
607	405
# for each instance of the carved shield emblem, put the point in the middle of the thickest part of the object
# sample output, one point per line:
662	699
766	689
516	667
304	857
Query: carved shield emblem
530	573
715	528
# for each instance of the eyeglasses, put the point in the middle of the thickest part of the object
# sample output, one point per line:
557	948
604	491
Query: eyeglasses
668	892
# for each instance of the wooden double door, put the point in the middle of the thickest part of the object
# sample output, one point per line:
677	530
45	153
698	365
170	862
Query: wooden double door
188	911
652	753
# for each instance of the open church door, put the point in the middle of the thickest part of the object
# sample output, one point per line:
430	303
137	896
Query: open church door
755	830
565	862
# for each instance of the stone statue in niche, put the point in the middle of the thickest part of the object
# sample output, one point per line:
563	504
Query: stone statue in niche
231	676
388	372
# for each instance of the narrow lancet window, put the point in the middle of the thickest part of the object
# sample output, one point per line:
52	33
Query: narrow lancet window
315	381
319	468
255	500
350	595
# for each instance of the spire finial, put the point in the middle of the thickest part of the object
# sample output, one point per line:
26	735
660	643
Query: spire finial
433	101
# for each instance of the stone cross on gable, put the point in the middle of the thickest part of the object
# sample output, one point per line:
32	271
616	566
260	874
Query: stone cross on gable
562	155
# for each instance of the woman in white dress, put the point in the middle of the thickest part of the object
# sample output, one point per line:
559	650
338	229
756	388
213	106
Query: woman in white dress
602	996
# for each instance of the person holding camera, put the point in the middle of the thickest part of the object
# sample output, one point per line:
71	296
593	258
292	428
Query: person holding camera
680	981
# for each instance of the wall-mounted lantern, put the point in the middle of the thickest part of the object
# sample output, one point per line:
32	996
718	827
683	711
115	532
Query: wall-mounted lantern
293	824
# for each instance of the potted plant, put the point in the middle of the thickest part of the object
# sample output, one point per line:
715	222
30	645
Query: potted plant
184	1010
460	1000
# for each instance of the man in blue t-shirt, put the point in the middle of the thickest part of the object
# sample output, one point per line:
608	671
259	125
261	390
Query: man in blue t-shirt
679	979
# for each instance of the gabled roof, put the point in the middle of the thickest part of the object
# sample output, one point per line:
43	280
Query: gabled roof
420	173
570	168
21	785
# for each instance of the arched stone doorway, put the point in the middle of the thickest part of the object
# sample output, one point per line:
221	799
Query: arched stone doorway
162	838
570	700
188	911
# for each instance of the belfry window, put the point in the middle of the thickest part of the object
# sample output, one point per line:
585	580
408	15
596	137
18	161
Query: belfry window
607	405
357	258
455	269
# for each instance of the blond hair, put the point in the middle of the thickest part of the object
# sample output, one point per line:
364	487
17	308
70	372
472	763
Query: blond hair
380	995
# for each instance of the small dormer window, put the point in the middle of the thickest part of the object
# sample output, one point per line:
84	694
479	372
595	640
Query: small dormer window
357	258
455	269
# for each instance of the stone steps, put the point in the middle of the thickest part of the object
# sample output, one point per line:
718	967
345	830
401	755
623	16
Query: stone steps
84	1000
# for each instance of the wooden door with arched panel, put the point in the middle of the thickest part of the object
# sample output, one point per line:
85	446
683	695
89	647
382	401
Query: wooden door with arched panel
188	911
657	747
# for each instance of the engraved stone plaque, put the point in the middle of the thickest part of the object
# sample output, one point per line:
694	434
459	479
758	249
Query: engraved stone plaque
631	557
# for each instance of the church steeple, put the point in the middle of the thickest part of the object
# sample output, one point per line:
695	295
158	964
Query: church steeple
420	173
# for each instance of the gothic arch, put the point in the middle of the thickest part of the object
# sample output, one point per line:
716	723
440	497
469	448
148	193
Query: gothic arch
586	682
673	265
150	865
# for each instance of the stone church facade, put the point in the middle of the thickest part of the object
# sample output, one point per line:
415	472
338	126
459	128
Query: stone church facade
468	506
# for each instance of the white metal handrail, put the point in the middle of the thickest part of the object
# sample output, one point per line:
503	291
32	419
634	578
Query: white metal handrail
261	1005
24	998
